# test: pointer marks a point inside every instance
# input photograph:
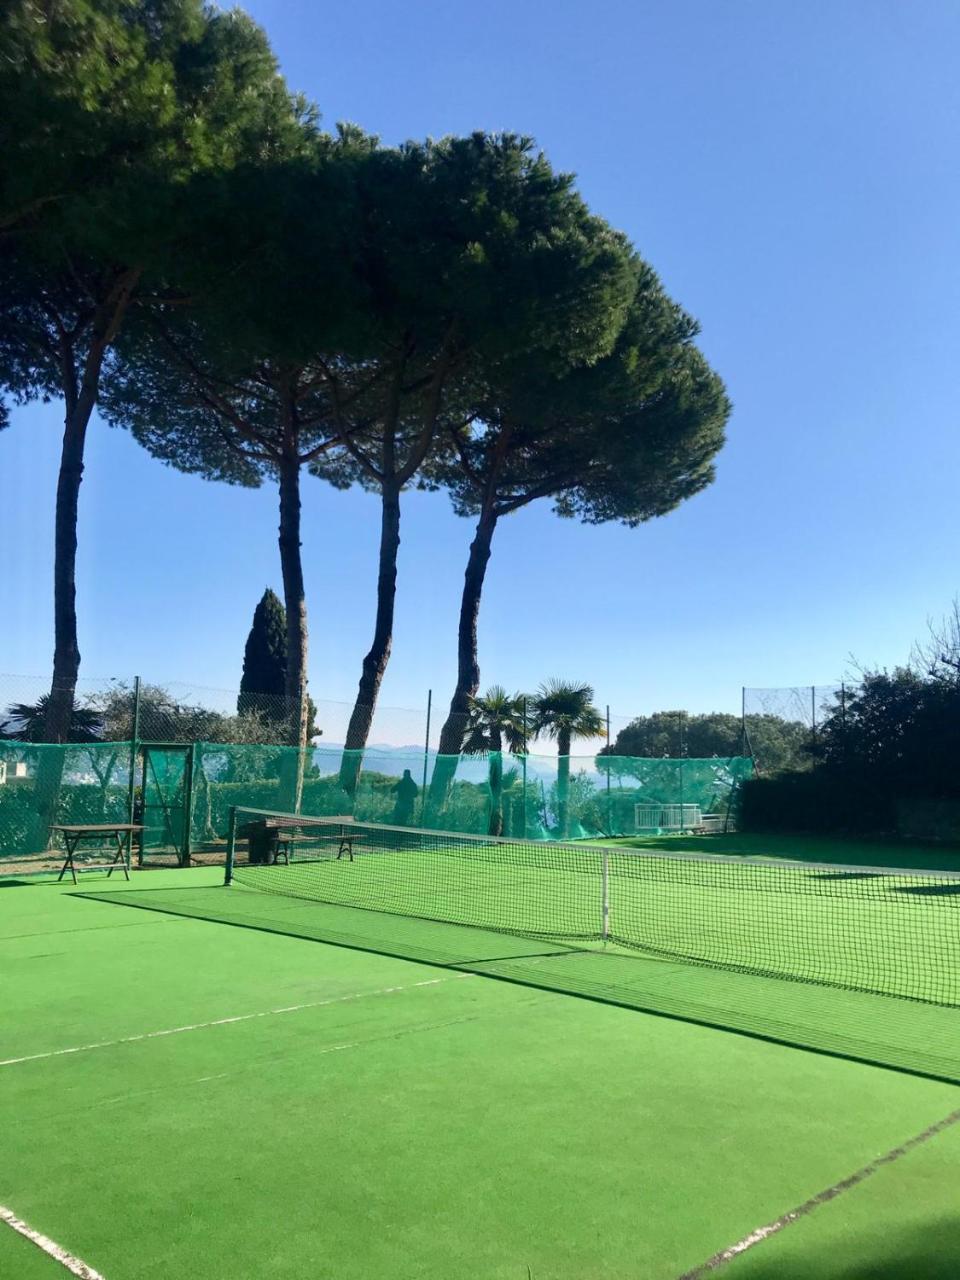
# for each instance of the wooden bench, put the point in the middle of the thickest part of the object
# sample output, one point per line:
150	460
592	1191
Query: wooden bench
346	841
272	841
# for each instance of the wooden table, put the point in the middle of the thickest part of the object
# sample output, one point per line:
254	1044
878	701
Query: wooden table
75	833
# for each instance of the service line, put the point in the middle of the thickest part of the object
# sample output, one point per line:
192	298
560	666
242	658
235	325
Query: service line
222	1022
759	1234
73	1264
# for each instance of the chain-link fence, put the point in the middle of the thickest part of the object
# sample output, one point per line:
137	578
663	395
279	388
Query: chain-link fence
123	709
174	757
119	709
783	726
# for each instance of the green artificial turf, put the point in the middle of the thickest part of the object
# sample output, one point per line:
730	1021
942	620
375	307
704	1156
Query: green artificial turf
902	1223
846	851
22	1260
905	1034
467	1128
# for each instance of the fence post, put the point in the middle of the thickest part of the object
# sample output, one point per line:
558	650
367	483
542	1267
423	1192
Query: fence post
523	792
231	843
843	713
813	713
609	825
680	720
743	720
132	792
426	757
188	770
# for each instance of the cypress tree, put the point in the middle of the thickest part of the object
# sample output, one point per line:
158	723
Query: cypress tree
264	658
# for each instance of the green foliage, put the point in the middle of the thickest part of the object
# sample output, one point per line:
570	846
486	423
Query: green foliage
236	383
496	717
114	119
816	801
493	718
474	255
899	728
562	711
67	783
25	722
165	718
100	99
109	113
474	248
893	738
626	436
265	654
775	743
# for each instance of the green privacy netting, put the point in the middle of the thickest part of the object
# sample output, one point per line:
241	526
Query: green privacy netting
183	794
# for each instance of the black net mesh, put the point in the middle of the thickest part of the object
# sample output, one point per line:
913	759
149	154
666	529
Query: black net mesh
887	932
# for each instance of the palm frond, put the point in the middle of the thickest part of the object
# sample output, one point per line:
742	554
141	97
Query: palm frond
564	708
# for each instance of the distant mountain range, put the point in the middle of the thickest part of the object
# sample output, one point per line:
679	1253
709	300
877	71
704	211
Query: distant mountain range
382	757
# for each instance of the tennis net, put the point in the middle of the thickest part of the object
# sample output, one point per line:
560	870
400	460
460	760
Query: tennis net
877	930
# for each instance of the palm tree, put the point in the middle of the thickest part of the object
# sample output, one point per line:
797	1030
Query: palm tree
26	722
564	711
494	718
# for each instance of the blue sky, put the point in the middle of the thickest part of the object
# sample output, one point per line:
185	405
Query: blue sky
790	170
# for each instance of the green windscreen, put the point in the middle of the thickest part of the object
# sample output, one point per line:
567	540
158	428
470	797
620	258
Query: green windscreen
47	784
533	797
164	801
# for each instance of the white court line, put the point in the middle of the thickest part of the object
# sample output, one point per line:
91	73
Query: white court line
66	1259
822	1197
222	1022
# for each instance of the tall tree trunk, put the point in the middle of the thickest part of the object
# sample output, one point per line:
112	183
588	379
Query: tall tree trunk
468	666
80	389
295	604
375	663
563	782
66	649
495	773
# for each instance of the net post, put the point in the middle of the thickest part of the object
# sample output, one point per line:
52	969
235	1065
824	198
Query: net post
231	844
605	896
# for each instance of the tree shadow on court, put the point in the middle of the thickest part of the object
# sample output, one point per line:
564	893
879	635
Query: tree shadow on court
931	890
931	1252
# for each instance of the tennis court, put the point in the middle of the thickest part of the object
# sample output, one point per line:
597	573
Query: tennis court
225	1081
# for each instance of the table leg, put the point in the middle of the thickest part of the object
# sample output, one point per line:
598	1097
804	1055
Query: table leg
121	858
71	845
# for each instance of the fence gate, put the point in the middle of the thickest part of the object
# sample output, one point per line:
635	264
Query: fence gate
165	801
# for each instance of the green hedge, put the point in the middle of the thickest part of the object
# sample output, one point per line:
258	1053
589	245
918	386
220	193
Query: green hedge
22	833
818	802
